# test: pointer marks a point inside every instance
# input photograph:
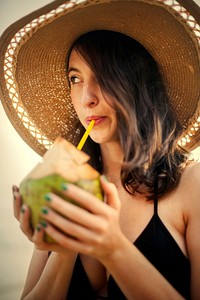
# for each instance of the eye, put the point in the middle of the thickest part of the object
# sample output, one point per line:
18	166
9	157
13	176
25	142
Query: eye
74	80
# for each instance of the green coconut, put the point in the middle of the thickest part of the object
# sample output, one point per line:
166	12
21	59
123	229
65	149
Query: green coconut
63	163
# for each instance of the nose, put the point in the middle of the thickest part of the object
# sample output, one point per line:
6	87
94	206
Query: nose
90	95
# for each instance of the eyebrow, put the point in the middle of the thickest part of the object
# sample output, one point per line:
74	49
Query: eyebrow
72	69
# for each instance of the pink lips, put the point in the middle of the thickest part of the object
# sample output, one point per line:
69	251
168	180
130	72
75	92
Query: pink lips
97	119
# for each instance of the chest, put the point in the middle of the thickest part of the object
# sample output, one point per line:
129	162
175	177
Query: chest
136	213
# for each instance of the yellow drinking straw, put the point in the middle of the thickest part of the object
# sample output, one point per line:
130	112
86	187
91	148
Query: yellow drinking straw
84	137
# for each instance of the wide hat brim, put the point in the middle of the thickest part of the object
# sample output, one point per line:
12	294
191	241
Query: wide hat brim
33	51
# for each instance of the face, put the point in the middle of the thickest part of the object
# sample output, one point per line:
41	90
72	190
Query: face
89	101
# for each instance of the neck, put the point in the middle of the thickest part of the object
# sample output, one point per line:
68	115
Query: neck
112	158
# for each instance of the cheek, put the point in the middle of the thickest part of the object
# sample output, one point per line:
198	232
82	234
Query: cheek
78	109
108	132
75	101
114	129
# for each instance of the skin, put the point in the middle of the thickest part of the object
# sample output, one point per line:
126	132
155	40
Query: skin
105	232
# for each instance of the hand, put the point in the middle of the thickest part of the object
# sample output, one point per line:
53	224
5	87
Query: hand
22	214
93	228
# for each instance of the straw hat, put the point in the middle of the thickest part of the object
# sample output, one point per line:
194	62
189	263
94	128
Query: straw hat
33	51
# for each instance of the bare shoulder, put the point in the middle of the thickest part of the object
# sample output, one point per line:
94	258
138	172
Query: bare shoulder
189	187
192	167
191	176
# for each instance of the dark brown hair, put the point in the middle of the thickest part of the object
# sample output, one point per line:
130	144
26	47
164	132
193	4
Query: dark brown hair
147	127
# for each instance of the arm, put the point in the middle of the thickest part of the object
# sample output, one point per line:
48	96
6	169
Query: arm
51	275
189	193
136	276
191	196
48	278
98	234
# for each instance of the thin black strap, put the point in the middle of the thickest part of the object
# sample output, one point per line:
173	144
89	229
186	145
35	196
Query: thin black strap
156	197
156	205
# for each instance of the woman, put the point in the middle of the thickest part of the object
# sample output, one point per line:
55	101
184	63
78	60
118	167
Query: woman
142	242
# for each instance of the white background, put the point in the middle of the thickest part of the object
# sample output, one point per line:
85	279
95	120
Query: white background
16	160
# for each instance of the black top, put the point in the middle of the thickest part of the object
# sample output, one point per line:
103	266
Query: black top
159	247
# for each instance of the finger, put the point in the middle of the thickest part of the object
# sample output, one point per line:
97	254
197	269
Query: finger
66	241
38	235
111	193
39	240
66	226
16	202
73	212
24	219
84	198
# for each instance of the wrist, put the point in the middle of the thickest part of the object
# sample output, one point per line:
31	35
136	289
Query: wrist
116	254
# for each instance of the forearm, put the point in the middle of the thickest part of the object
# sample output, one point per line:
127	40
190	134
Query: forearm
136	276
55	278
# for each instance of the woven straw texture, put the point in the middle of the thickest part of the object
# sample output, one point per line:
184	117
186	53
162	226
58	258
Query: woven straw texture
34	89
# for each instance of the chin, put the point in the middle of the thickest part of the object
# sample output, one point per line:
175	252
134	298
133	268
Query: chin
98	139
102	140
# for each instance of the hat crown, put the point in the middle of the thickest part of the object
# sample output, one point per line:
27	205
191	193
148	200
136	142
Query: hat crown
34	89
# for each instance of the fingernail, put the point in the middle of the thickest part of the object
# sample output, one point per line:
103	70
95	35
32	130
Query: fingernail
15	195
47	197
105	178
15	188
64	186
44	210
23	209
38	228
44	224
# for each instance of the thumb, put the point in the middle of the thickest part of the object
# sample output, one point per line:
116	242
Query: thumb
111	193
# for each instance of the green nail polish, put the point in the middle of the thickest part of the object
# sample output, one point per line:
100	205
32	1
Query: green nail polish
44	224
47	197
64	186
38	228
105	178
22	209
44	210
